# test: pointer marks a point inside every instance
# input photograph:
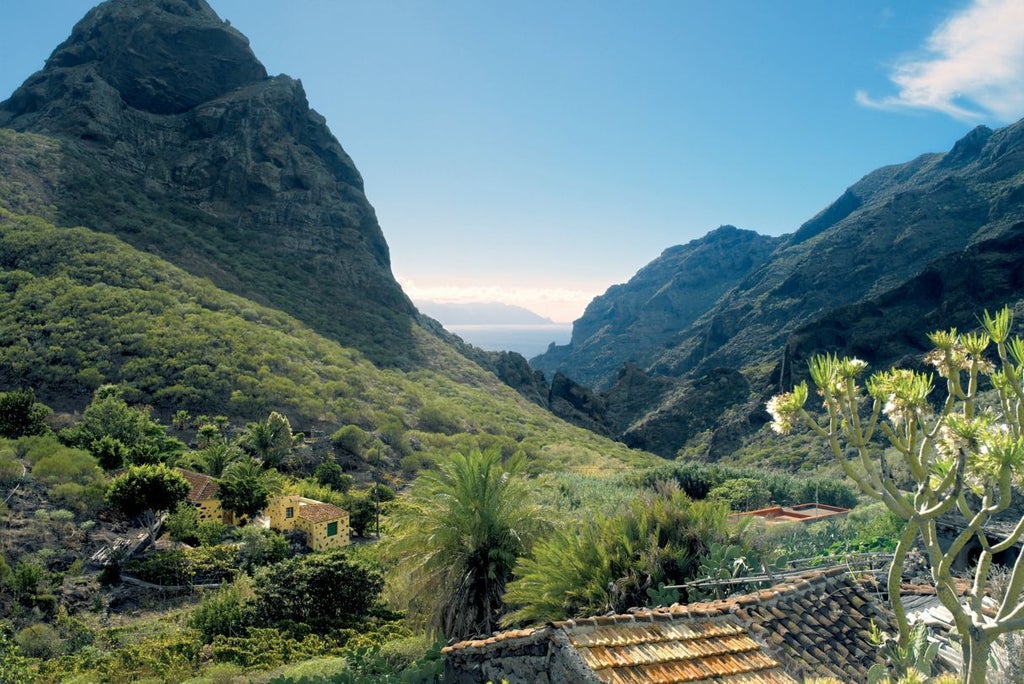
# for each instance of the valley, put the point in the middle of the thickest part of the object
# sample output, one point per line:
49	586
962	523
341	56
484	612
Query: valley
233	449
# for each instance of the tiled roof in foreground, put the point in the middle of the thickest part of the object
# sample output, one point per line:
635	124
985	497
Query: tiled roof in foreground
814	625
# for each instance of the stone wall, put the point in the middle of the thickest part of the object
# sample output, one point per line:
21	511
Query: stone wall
543	657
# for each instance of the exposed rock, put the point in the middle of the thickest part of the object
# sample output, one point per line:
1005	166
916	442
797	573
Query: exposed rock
578	404
175	139
693	407
907	249
636	321
891	329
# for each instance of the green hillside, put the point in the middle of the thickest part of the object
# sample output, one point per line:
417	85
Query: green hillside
80	309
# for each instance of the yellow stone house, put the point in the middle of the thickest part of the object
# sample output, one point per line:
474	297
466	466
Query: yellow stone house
325	525
203	495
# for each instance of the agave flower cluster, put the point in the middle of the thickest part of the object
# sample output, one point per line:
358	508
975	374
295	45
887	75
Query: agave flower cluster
904	395
785	408
955	353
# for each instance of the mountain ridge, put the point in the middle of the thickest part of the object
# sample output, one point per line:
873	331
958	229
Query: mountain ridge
878	239
176	139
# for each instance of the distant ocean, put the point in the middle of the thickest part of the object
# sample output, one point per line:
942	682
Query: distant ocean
529	340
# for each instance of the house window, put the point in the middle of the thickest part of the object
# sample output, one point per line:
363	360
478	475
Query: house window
332	529
289	512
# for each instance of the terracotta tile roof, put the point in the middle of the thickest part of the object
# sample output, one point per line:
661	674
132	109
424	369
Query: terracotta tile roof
204	487
320	512
804	513
814	625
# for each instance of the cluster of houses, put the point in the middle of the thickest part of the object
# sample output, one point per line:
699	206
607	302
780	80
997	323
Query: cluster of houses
325	525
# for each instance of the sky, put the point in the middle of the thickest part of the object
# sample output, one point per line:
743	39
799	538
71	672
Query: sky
535	152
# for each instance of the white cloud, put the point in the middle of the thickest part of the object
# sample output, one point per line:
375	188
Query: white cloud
972	68
558	302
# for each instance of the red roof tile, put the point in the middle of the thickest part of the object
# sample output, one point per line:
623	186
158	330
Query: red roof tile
203	486
320	512
805	627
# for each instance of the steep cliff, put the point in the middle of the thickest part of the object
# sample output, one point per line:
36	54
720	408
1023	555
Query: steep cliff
174	138
636	321
907	249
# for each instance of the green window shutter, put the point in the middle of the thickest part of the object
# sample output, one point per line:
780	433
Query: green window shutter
332	529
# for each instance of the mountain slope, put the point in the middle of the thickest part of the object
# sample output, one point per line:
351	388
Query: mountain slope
636	321
173	137
867	275
79	308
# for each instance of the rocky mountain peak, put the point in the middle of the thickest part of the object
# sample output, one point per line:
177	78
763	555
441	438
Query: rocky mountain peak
175	139
162	57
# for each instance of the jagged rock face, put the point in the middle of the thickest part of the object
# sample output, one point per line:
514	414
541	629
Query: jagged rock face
176	140
907	249
636	321
890	329
693	407
881	233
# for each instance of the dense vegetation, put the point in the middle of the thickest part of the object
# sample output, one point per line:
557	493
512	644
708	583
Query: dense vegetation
479	540
79	310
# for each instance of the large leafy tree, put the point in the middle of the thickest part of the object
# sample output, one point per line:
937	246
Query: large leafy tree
457	537
965	458
21	414
146	491
109	416
324	591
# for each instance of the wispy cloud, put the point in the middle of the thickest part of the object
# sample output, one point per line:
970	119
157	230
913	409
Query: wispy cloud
559	303
971	67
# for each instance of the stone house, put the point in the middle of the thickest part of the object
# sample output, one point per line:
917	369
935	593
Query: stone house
813	625
203	495
325	525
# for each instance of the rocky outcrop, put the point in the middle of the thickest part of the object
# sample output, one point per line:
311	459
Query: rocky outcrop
907	249
890	329
176	140
636	321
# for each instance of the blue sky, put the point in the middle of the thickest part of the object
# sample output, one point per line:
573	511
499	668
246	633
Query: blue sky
537	152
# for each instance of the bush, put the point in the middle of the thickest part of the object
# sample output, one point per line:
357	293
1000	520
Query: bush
259	547
222	613
742	494
323	591
330	475
39	641
350	439
21	415
204	565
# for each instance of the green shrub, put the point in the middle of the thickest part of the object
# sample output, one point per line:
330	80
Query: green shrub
39	641
222	612
21	414
323	591
742	493
330	475
350	439
259	547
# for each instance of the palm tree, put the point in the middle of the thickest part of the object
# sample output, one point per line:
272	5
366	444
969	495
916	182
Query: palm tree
245	487
459	534
269	440
216	457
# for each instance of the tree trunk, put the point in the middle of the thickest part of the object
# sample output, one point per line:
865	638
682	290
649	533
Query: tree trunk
976	652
